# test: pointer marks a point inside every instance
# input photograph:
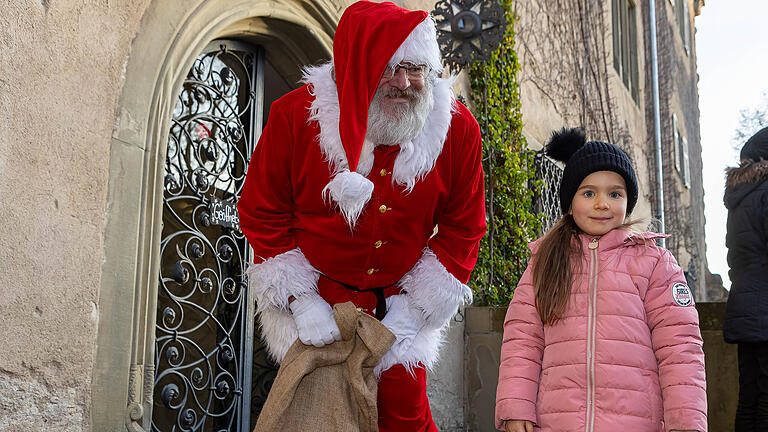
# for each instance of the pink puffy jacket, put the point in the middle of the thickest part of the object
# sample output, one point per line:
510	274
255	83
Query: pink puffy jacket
626	355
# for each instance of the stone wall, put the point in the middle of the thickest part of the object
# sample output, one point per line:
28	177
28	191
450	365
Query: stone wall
60	76
721	366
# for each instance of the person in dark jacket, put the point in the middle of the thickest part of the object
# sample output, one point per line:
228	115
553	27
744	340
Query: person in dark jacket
746	314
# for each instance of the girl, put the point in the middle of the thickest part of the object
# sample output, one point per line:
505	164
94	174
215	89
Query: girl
601	334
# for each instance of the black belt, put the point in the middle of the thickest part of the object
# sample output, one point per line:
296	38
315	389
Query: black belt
381	301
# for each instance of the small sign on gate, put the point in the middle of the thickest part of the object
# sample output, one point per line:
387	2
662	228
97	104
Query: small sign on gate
223	213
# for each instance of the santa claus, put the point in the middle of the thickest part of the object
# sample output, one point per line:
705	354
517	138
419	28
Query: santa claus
367	186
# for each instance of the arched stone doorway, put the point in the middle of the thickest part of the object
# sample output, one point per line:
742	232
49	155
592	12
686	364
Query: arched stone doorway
171	37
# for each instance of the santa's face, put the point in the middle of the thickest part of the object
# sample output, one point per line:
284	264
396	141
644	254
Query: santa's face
400	106
400	86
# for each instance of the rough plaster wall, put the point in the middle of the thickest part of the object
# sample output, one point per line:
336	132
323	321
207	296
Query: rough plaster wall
59	81
540	116
542	113
31	405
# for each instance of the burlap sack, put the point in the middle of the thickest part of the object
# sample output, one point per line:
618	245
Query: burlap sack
330	389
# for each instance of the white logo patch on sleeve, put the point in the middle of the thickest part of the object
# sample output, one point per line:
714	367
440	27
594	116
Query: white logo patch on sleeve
681	294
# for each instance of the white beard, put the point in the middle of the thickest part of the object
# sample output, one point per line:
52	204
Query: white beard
416	157
407	120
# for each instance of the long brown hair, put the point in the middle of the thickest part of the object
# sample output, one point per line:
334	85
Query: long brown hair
552	270
553	265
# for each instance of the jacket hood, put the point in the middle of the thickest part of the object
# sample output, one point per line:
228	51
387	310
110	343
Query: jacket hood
611	240
742	180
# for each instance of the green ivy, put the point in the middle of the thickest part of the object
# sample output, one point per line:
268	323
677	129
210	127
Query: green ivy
509	173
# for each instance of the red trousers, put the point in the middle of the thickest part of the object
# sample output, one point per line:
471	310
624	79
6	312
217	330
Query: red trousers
403	403
402	399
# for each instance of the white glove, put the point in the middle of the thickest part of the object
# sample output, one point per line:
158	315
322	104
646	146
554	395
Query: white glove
314	320
404	321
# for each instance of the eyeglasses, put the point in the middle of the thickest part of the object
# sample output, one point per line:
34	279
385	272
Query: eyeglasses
412	71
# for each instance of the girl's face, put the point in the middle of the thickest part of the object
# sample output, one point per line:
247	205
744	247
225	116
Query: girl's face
600	203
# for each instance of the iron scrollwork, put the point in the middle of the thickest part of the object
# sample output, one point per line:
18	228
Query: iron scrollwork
202	349
468	30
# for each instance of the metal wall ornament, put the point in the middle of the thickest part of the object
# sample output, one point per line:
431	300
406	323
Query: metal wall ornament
468	30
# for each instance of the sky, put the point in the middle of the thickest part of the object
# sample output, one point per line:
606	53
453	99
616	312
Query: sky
731	39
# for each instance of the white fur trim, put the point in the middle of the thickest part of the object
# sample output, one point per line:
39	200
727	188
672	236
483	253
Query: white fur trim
278	330
424	351
273	281
350	192
325	111
420	47
438	295
434	291
410	165
277	278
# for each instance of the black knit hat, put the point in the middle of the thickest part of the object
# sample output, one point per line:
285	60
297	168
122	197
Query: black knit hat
756	148
582	158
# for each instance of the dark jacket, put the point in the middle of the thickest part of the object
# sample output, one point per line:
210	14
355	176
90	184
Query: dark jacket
746	197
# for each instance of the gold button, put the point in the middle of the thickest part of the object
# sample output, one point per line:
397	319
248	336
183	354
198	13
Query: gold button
378	244
382	209
383	172
370	271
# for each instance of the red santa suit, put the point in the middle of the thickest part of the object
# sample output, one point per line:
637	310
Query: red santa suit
308	238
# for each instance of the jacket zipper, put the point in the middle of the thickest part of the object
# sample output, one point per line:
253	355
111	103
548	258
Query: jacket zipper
591	330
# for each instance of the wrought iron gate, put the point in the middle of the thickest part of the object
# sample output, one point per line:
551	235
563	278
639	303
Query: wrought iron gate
207	360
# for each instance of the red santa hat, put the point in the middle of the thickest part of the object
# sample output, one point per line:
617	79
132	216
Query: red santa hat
368	38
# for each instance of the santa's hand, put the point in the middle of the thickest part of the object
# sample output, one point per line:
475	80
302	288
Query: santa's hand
314	320
404	321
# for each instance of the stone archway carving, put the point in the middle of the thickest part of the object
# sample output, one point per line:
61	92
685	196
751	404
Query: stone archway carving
168	40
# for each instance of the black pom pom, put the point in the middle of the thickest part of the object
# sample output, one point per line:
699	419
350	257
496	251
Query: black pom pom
565	142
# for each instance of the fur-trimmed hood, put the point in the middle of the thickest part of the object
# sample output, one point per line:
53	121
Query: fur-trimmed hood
742	180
